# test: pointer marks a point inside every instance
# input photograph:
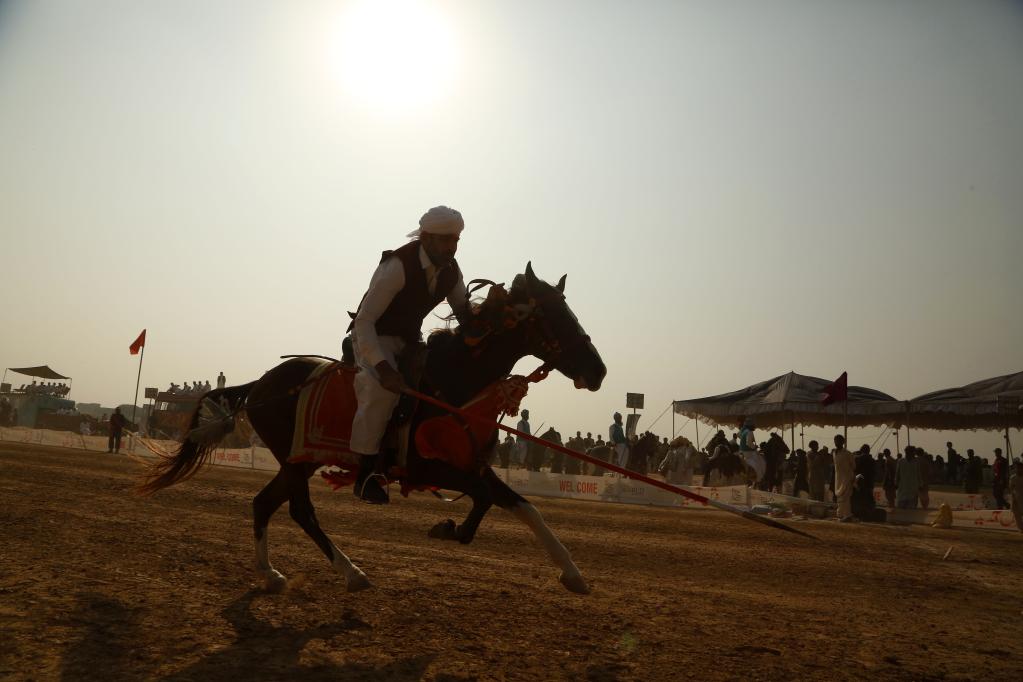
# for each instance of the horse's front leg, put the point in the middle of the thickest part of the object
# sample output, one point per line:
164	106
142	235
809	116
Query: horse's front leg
466	531
482	501
570	577
506	498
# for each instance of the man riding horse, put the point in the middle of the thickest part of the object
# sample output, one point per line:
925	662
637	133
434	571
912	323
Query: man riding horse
407	285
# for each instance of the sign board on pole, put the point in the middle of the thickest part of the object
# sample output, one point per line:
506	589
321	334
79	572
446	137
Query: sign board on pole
151	393
634	400
631	420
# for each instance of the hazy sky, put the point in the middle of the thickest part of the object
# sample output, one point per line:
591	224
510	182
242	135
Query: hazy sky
736	189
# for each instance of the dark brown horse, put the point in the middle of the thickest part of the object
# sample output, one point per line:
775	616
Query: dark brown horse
532	318
640	453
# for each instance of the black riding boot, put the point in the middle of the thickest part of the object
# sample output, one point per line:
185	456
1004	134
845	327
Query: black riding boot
368	482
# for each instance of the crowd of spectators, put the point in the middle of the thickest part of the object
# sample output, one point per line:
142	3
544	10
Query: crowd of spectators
905	477
46	388
195	388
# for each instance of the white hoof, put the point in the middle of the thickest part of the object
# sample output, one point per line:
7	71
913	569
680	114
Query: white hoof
574	583
274	581
357	581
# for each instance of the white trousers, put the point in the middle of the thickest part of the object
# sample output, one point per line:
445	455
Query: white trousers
376	403
754	460
622	455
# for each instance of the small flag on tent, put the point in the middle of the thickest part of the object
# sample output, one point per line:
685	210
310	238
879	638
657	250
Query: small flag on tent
837	392
139	343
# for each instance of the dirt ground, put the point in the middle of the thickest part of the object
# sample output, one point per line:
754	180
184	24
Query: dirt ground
96	583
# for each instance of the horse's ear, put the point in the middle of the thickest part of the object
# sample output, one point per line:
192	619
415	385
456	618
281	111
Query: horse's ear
561	284
531	279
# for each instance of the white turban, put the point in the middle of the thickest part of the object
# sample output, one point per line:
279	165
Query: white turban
439	220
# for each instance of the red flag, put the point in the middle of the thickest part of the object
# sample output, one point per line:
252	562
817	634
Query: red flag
837	392
139	343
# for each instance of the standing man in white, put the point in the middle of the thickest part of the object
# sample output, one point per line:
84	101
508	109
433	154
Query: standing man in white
407	285
845	474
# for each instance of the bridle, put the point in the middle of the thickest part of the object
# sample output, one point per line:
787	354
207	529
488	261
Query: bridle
539	330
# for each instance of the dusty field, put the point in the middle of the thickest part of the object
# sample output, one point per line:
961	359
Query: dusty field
96	583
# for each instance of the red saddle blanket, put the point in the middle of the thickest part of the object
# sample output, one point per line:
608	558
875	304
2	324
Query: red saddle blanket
327	404
323	418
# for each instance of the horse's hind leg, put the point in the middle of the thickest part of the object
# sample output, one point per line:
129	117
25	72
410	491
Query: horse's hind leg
304	514
269	499
506	498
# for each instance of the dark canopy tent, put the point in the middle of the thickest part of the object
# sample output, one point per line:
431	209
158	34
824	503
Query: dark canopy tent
991	404
40	372
793	399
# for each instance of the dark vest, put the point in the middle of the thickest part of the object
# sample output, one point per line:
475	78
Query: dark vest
410	306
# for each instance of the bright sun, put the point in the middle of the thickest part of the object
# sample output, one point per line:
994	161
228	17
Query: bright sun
394	54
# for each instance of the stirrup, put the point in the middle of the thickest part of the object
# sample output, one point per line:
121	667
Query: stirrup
375	493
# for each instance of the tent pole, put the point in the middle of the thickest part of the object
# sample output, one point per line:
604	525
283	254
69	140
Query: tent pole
793	439
696	421
1008	445
673	420
845	421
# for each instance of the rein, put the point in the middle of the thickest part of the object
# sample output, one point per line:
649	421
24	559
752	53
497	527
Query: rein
606	465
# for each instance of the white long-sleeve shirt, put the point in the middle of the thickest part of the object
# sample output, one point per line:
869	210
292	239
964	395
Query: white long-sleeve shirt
387	281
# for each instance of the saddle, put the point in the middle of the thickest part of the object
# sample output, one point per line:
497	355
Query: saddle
327	405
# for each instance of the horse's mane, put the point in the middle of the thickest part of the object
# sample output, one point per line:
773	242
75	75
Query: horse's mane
486	311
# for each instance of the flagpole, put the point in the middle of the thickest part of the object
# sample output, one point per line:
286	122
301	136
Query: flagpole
137	380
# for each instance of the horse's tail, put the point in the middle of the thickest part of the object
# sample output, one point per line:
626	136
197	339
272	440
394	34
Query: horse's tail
211	421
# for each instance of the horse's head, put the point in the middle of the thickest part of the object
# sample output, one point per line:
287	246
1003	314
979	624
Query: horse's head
553	332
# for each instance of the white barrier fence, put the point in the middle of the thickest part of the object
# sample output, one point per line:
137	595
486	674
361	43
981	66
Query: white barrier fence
970	510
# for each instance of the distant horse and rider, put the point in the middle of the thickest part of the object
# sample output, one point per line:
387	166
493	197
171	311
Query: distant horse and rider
639	451
762	467
532	318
